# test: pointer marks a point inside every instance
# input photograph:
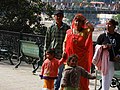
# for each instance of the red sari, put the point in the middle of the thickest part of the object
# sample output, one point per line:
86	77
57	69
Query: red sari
82	47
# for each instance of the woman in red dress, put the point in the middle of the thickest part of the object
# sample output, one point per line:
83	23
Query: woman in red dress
78	41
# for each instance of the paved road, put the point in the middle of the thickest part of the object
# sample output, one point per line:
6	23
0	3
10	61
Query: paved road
22	78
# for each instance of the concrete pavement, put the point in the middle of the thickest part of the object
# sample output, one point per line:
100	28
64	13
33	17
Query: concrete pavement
23	79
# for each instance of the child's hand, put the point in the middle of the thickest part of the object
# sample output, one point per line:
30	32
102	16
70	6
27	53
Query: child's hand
106	46
41	76
93	77
63	85
61	88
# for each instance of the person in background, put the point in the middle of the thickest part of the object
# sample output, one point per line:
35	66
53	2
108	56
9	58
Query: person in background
78	41
54	39
73	73
49	69
109	40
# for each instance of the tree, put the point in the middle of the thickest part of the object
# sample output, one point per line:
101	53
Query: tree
23	15
117	18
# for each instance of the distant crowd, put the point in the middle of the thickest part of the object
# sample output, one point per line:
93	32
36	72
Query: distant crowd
86	6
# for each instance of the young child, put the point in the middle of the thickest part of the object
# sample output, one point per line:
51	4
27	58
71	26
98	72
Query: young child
49	70
72	73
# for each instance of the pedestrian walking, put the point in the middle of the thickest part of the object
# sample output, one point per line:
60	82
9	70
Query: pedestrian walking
54	39
49	70
108	41
73	73
78	41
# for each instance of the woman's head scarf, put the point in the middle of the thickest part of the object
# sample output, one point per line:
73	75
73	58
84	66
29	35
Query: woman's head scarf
79	17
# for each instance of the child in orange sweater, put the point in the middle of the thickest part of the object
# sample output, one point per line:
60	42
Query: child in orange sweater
49	70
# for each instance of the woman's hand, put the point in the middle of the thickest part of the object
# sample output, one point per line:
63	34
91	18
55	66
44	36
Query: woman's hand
89	25
64	55
106	46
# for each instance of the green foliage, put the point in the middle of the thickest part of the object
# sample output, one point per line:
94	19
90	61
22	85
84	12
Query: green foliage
23	15
117	18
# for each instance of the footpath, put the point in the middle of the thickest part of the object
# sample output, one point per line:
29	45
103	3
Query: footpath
23	79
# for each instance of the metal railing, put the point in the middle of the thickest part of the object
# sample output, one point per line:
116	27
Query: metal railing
11	38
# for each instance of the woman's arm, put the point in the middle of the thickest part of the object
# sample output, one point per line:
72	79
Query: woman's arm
64	43
89	25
